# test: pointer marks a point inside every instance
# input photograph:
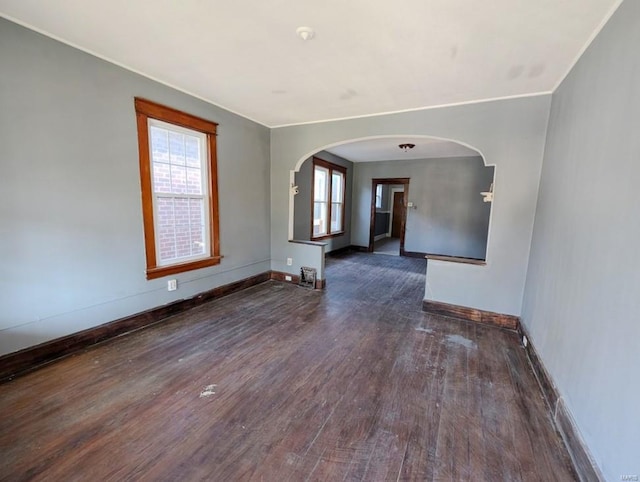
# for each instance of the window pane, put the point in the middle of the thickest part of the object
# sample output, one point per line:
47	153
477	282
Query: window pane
178	180
176	148
181	228
194	181
337	188
159	144
183	241
181	220
161	177
192	145
197	240
196	219
336	217
181	211
321	186
166	231
319	218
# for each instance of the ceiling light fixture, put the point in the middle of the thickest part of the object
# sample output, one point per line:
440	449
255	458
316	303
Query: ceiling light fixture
406	147
305	33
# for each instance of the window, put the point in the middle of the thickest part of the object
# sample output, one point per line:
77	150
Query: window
328	199
379	196
178	176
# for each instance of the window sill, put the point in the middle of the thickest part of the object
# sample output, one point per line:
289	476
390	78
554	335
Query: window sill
456	259
160	271
310	243
327	236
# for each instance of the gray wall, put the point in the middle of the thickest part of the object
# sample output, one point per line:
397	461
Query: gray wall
509	134
582	294
381	223
450	217
71	238
302	206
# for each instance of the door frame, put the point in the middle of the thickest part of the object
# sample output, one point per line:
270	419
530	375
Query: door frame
403	222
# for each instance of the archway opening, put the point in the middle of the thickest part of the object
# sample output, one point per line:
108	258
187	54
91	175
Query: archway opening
443	213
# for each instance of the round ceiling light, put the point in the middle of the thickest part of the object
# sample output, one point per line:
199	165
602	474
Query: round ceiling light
305	33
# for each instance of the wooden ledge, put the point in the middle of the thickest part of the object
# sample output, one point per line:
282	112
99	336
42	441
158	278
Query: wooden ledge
310	243
456	259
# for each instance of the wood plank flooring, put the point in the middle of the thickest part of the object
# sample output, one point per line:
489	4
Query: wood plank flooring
281	383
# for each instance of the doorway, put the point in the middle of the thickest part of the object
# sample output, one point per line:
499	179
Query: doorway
388	215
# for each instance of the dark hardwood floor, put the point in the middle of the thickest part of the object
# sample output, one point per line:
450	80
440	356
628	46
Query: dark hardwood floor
282	383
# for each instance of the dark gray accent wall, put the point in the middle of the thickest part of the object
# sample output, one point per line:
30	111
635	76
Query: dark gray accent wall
302	202
582	296
381	223
449	216
71	238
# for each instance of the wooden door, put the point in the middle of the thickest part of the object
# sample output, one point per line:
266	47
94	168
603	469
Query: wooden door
398	213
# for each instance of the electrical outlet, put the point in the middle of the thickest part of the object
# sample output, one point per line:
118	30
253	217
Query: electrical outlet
287	278
172	285
289	261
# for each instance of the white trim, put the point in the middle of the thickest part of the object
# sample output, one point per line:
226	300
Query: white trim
589	41
380	236
126	67
292	180
391	194
415	109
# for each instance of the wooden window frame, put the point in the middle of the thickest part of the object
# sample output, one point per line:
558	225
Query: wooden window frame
145	110
331	167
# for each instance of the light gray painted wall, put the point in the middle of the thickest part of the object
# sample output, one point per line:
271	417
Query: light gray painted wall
582	295
302	209
449	218
508	133
72	248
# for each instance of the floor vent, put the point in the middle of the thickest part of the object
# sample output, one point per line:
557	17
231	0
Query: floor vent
308	277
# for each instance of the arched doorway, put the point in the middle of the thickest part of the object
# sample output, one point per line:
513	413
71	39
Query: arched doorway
443	214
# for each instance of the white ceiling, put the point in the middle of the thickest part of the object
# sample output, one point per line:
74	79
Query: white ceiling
368	56
386	149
